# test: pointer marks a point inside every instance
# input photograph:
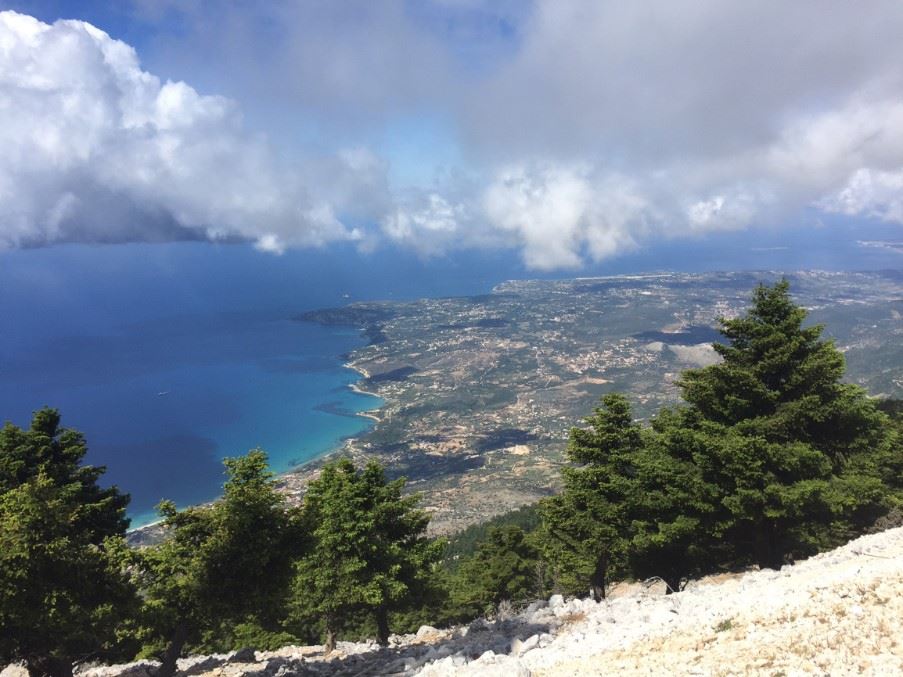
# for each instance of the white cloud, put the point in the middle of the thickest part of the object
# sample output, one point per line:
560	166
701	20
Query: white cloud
96	149
702	213
434	218
871	192
556	213
719	116
428	223
730	211
585	128
824	149
613	125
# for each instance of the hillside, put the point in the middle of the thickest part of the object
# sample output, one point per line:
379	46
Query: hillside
837	613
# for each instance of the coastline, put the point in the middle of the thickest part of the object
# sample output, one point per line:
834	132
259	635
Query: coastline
150	532
367	413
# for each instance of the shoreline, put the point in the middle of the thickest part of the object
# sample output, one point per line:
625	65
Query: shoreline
367	413
307	465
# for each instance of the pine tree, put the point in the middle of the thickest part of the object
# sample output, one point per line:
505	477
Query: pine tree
62	585
793	451
503	569
368	551
588	525
672	507
224	563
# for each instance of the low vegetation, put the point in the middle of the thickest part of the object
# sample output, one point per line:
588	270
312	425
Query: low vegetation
770	458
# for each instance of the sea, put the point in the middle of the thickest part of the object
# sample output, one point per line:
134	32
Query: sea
170	357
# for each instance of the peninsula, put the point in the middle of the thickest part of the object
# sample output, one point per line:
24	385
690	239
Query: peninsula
481	391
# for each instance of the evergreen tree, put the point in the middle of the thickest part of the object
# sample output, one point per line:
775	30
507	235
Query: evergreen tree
329	579
224	563
794	452
464	543
400	558
588	525
368	551
672	507
505	567
62	586
890	463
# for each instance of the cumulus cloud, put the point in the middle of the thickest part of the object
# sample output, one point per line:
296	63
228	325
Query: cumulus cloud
616	124
558	212
97	149
554	215
583	129
429	225
717	116
871	192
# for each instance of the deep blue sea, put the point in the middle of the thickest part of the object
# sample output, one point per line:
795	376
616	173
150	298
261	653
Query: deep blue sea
170	357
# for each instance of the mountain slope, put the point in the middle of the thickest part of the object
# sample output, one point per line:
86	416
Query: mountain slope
837	613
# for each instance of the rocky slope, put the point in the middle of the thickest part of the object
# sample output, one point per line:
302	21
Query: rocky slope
837	613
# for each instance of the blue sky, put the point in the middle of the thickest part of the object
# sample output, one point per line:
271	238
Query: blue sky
568	133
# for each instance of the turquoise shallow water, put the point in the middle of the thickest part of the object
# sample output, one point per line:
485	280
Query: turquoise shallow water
293	407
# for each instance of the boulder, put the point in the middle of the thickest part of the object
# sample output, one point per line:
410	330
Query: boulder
545	639
425	630
490	665
136	669
245	655
196	665
534	607
14	670
520	647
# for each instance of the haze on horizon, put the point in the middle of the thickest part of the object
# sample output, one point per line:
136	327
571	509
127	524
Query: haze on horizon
565	132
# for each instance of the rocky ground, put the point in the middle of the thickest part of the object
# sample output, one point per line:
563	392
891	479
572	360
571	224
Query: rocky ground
837	613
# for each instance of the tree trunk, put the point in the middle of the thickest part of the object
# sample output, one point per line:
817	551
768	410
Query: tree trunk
49	666
329	645
672	583
540	580
173	651
597	580
382	626
768	552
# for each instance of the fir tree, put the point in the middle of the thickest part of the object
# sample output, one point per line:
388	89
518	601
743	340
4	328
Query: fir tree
504	568
400	558
62	585
672	507
588	525
224	563
368	554
793	451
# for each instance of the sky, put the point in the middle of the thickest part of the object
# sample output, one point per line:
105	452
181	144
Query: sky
565	132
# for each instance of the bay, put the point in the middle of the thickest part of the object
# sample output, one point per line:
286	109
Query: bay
171	357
